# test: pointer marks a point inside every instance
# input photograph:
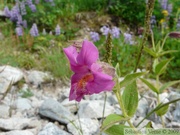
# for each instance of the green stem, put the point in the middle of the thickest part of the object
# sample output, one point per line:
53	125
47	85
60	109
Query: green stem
149	10
158	99
120	101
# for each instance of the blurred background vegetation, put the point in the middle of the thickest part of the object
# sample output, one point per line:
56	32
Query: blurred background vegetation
77	18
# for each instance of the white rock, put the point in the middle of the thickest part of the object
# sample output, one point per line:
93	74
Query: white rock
37	77
4	111
163	97
94	109
143	124
55	111
14	123
4	84
71	105
11	73
23	104
18	132
52	129
88	126
142	107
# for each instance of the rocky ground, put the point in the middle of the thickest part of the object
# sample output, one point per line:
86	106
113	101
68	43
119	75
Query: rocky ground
33	103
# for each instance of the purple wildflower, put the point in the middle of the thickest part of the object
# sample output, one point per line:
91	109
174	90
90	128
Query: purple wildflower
88	77
28	2
105	30
24	23
19	31
153	21
50	33
57	30
23	8
34	31
115	32
19	21
169	8
164	4
128	38
94	36
7	12
15	13
32	7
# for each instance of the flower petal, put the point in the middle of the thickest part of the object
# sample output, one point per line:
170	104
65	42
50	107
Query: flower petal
88	54
102	82
72	54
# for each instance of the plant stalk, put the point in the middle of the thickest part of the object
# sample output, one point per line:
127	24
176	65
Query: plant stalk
149	10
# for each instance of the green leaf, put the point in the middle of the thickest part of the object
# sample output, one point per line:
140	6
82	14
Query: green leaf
149	85
116	130
151	52
130	78
157	108
166	85
111	120
161	66
166	52
118	72
149	125
162	110
130	98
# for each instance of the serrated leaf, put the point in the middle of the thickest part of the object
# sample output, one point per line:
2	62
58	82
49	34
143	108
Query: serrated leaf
111	120
161	66
149	85
116	130
130	78
130	98
117	68
166	85
162	110
150	51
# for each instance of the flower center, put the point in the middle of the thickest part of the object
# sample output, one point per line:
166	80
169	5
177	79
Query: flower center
83	81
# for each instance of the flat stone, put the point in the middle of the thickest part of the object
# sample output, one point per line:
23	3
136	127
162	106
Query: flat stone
52	129
11	73
88	126
14	123
17	132
94	109
23	104
4	111
37	77
54	110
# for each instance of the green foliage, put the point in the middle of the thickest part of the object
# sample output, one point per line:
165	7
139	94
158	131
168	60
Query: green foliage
26	93
55	61
116	130
151	86
162	110
130	78
111	120
130	98
133	12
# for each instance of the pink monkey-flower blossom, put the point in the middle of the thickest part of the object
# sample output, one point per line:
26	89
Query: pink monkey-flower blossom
88	77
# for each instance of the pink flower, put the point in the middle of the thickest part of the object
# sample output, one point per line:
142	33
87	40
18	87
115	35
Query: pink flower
88	77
